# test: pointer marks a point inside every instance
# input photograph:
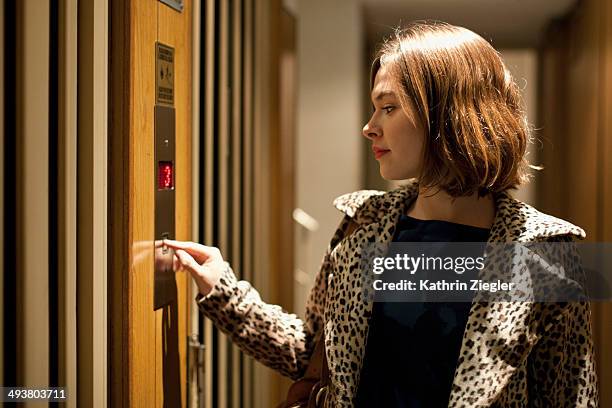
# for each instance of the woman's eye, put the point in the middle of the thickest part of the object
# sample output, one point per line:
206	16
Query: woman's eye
388	109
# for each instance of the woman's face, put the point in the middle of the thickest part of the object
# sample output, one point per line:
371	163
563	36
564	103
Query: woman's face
397	142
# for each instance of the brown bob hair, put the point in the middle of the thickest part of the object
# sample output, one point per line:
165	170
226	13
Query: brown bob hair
456	82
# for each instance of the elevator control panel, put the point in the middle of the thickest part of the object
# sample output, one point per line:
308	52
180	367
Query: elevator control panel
165	177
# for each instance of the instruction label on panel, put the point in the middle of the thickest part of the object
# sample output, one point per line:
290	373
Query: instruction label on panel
164	65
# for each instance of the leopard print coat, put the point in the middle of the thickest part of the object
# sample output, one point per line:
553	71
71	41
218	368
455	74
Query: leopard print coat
513	354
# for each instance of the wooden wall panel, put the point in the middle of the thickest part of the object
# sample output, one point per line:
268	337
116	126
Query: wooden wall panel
604	310
247	177
287	79
237	175
236	200
142	322
586	117
243	107
207	196
92	220
174	29
265	128
284	150
32	105
67	198
583	119
227	173
195	375
553	122
606	134
576	106
120	229
223	198
148	348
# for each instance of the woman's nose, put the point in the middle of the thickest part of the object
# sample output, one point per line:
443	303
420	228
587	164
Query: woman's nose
370	132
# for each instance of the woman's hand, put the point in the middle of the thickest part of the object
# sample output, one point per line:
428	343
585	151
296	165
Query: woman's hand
204	263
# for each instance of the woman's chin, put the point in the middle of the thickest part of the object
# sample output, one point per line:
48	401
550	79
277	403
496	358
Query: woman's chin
395	176
391	178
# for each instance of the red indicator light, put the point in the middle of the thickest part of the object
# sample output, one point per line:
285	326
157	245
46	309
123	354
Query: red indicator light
165	176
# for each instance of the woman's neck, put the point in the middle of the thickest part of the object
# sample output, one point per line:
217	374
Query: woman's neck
468	210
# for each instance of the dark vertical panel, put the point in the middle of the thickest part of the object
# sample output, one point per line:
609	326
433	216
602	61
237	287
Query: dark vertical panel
553	115
120	32
53	195
227	162
242	203
230	126
215	192
241	131
2	137
10	193
202	146
208	163
237	198
215	119
250	173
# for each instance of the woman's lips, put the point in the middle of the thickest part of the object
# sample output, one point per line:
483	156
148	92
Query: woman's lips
378	153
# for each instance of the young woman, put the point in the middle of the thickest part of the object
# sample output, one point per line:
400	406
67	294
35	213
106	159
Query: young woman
447	117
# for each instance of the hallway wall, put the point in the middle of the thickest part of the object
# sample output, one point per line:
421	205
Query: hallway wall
522	63
54	197
328	148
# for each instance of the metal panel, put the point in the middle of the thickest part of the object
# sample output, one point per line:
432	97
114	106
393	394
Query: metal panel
175	4
165	290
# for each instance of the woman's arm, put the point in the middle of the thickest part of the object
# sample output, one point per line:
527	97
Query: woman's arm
276	338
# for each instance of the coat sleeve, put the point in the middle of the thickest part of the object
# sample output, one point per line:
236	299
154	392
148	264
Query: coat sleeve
271	335
562	365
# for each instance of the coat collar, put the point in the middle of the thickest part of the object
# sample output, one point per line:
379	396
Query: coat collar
514	221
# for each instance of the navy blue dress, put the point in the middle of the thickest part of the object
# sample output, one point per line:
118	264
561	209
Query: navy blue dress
412	348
